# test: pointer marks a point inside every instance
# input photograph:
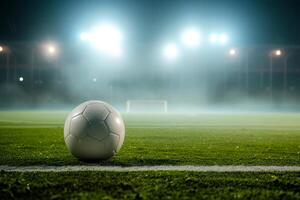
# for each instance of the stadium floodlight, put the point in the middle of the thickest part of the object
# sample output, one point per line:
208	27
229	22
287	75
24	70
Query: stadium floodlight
50	49
21	79
275	53
170	51
1	48
223	38
191	37
278	52
218	38
107	38
232	52
213	38
84	36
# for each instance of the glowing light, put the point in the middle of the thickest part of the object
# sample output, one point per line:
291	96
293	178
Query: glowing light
51	49
213	38
1	49
218	38
84	36
191	37
94	80
170	51
106	38
21	79
278	52
223	38
118	121
232	52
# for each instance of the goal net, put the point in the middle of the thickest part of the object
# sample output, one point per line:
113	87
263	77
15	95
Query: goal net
147	106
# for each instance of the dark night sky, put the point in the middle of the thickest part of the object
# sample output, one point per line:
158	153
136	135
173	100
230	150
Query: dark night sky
247	21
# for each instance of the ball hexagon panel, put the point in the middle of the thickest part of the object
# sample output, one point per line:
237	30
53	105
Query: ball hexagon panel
111	109
115	123
79	126
117	140
89	148
72	144
110	144
79	147
98	130
95	112
79	109
93	149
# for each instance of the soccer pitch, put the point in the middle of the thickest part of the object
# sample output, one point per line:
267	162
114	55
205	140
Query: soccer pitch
30	138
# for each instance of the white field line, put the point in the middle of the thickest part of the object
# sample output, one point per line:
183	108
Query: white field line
216	168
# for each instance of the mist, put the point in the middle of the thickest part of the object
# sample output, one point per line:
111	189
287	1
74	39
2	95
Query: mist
196	81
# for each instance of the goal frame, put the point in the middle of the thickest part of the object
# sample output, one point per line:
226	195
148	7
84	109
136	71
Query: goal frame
164	104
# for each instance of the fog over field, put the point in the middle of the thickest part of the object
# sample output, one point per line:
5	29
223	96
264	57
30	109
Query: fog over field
213	81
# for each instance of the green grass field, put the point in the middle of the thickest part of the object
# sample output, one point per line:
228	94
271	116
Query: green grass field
36	138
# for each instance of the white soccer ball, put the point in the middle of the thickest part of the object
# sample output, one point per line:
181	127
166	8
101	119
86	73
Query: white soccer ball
94	130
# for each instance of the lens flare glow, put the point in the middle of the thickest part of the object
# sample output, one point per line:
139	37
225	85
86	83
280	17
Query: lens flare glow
191	37
84	36
170	51
213	38
232	52
51	49
223	38
107	38
278	52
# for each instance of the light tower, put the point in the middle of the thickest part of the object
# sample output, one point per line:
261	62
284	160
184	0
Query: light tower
274	53
6	51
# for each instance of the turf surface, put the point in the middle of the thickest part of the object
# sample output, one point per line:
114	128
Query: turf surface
153	146
149	185
36	138
28	138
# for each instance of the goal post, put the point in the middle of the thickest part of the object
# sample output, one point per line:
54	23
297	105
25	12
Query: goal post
147	106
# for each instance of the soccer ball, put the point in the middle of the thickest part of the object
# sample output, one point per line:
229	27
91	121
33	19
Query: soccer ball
94	130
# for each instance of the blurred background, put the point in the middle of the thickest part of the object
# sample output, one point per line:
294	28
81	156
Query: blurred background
194	55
